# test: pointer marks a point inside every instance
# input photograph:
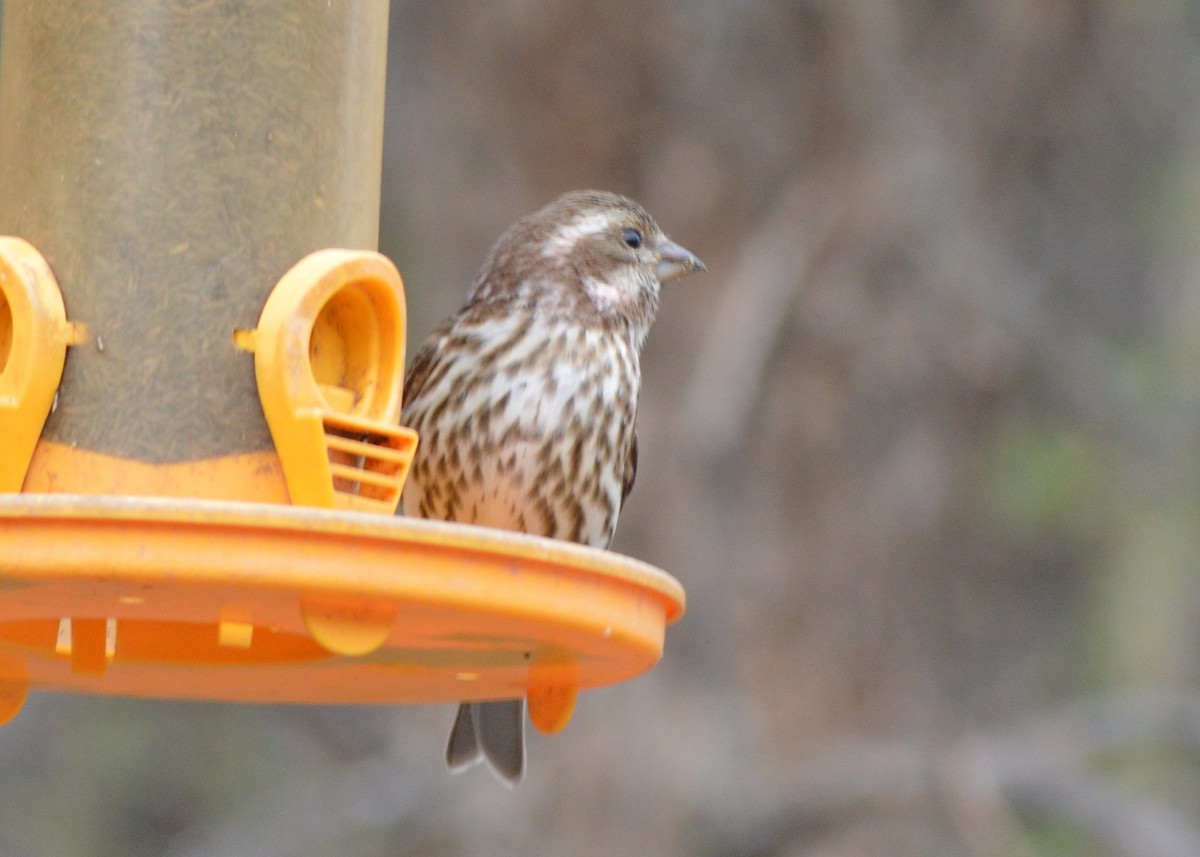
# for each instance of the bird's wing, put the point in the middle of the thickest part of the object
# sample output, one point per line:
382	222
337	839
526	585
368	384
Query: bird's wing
423	363
630	470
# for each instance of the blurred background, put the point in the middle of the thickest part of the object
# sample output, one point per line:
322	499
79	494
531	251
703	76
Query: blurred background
923	446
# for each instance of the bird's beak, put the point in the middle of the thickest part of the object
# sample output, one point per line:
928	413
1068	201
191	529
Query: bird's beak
675	261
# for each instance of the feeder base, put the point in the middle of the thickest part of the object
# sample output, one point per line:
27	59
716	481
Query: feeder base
251	602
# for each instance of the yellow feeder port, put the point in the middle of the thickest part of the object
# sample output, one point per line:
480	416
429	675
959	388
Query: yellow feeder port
199	399
329	358
34	335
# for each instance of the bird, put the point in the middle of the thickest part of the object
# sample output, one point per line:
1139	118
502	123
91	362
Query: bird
525	400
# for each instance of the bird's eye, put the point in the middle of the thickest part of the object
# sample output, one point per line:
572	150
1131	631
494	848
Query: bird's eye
632	238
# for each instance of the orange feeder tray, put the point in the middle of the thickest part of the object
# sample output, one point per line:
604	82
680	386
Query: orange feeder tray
246	602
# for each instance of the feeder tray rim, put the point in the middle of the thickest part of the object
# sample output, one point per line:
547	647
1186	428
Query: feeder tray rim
204	514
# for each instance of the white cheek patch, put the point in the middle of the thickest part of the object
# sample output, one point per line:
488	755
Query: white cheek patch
565	237
604	295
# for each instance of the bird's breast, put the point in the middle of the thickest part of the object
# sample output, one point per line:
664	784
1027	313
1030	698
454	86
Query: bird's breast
535	443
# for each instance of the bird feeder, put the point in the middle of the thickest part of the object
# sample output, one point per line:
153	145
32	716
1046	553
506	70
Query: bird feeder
201	370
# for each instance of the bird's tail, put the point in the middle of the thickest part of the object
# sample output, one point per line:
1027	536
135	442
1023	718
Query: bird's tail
492	731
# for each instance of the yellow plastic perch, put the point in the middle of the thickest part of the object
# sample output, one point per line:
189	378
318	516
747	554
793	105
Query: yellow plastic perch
229	601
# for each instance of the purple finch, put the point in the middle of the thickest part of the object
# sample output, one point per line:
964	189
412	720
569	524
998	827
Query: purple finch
525	400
